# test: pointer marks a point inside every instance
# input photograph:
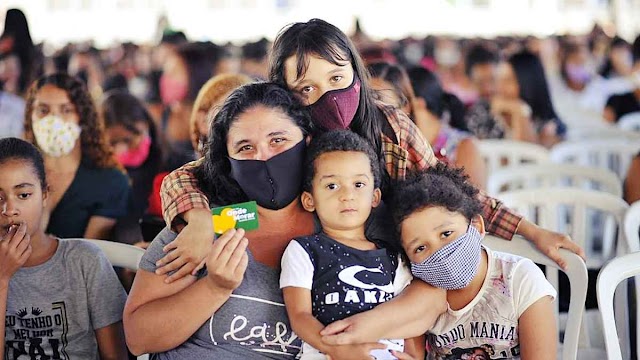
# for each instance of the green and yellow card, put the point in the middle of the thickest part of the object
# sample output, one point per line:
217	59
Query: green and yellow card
235	216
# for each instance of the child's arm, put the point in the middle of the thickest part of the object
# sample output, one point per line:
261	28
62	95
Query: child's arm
307	327
111	342
537	331
183	202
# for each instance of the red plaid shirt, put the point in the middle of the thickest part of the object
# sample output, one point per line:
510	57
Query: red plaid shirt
180	193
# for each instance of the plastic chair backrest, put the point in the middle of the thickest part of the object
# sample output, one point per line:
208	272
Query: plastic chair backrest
577	273
629	122
610	276
499	153
568	210
550	175
120	255
614	154
600	132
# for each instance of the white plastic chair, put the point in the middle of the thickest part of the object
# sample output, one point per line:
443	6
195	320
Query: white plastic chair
121	255
549	175
612	274
605	131
632	224
629	122
567	210
577	273
499	153
612	154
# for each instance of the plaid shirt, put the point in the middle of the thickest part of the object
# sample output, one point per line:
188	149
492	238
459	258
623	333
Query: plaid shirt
180	193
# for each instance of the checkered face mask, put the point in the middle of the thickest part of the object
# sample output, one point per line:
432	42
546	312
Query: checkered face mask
454	265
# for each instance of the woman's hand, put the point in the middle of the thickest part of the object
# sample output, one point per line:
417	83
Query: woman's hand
354	352
549	242
187	252
15	249
228	260
402	355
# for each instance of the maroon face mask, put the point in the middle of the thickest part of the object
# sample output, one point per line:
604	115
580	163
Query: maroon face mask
336	108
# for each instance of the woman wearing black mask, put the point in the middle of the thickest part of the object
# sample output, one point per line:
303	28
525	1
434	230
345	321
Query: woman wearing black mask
234	310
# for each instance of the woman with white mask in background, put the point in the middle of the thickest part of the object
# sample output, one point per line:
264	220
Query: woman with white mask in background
88	189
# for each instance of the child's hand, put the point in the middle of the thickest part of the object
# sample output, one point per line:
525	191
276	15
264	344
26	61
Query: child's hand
354	352
228	260
189	249
15	249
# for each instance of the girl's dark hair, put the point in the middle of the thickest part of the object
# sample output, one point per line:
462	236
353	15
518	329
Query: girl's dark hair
18	149
319	38
93	140
533	84
437	186
338	140
213	174
426	85
119	107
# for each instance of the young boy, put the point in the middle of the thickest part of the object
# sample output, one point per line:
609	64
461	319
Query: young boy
500	305
340	271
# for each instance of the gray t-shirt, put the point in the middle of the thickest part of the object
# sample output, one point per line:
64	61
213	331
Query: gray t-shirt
252	324
54	308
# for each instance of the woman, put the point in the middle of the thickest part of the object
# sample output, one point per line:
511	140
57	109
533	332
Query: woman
89	191
234	308
449	145
135	143
319	64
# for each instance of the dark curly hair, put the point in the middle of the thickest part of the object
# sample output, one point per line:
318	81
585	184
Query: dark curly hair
94	147
214	173
338	140
440	185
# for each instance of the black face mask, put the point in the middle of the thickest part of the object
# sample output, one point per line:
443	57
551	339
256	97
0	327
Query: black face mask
273	183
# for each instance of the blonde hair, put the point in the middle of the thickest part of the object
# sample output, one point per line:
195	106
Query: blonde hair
215	89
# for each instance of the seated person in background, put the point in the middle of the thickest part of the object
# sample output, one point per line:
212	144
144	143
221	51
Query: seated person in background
632	182
449	145
89	189
135	143
438	216
629	102
60	298
519	106
318	278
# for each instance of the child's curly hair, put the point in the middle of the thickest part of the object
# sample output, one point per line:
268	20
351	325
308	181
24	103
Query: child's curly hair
440	185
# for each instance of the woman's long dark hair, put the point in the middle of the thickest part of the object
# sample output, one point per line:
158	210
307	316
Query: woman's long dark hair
533	84
213	174
319	38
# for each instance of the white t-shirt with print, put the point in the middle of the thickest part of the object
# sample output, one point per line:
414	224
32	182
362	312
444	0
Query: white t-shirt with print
488	325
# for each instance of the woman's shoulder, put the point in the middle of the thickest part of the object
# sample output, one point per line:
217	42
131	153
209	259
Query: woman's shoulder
100	177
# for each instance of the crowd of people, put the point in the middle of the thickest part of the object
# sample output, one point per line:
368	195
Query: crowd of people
361	156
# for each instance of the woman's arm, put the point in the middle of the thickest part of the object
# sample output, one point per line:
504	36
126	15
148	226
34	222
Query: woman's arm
407	315
111	342
468	157
537	331
160	316
99	227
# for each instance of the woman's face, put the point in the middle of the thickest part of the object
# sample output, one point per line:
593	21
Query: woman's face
260	133
123	139
321	76
52	100
506	81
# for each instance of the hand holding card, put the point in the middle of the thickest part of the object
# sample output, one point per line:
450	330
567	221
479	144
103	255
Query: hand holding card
235	216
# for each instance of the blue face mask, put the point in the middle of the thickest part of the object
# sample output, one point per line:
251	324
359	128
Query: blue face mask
454	265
